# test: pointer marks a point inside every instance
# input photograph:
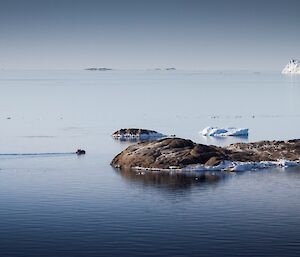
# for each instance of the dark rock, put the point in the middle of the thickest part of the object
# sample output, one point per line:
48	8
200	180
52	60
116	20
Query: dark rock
213	161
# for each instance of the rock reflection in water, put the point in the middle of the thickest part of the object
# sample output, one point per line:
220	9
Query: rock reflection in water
172	180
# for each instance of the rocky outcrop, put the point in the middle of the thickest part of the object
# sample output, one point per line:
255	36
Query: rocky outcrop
136	134
174	153
267	150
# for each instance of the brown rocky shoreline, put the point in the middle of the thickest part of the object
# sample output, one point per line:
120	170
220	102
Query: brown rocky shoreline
169	153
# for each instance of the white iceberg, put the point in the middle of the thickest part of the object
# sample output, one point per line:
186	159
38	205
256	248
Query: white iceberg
224	132
293	67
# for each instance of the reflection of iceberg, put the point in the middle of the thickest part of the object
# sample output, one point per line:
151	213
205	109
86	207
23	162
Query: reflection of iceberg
224	132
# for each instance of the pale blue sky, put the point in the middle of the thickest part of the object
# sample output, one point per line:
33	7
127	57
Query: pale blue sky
204	35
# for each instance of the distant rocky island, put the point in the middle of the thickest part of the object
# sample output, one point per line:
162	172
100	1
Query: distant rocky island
181	154
293	67
136	134
98	69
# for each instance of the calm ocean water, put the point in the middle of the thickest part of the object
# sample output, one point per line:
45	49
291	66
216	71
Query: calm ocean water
68	205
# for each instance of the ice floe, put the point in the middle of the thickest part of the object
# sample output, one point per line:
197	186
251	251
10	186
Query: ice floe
225	166
244	166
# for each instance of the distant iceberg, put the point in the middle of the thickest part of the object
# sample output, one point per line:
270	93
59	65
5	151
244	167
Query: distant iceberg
224	132
293	67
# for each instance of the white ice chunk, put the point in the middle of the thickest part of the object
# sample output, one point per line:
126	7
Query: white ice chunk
293	67
224	132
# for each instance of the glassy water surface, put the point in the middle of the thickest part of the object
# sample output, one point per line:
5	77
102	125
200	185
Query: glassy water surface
68	205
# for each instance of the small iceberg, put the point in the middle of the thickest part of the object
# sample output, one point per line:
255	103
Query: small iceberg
293	67
224	132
